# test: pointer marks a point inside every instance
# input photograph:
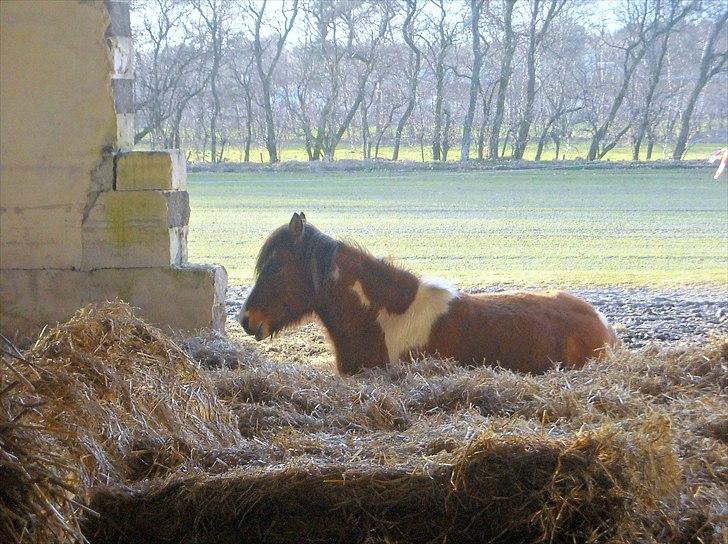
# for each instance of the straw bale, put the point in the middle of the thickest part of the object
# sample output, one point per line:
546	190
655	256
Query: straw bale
309	414
496	488
103	398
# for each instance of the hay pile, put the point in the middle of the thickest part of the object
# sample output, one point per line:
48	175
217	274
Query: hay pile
137	406
101	399
631	449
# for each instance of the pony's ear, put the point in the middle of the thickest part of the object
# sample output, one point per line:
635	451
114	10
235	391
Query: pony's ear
296	226
303	216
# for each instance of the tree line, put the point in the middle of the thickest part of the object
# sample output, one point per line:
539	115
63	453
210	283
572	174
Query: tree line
466	79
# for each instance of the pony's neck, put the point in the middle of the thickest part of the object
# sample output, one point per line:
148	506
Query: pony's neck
358	288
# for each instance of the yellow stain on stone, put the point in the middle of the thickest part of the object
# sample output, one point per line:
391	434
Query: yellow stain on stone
150	170
129	215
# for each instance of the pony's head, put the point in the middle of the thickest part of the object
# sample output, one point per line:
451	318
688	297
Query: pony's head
292	268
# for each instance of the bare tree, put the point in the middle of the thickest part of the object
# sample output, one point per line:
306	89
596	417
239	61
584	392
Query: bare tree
343	31
266	66
712	61
169	72
413	75
643	25
544	11
214	29
438	46
480	48
243	74
386	99
486	100
675	14
509	47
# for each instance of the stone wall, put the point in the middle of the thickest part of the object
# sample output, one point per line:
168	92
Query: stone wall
83	216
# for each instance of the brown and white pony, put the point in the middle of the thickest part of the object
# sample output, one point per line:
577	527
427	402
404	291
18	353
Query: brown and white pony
376	313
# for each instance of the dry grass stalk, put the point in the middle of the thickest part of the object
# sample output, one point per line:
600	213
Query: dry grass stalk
38	473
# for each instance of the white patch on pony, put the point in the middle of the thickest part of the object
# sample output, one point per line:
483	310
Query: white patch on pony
603	319
411	329
358	290
335	274
442	284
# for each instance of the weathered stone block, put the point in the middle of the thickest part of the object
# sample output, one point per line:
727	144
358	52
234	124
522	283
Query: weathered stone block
129	229
125	130
145	170
42	237
184	298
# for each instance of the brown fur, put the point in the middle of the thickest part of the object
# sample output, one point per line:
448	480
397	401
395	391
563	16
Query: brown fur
301	271
521	331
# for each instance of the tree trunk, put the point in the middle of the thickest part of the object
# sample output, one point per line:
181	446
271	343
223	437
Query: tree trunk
540	145
557	143
414	76
366	146
505	143
270	131
215	109
483	130
437	130
475	9
509	46
710	64
543	139
446	135
525	124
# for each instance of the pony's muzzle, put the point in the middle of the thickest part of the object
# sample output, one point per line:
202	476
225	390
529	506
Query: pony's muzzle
245	322
257	328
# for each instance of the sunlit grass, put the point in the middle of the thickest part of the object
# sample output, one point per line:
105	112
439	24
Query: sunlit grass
526	227
414	153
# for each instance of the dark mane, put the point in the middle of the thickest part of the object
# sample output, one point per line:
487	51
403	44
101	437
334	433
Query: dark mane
277	239
315	250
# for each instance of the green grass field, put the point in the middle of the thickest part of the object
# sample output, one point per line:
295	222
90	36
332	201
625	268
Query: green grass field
569	228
